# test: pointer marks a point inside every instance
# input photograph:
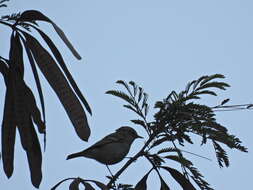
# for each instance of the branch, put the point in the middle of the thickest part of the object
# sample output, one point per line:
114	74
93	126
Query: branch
6	23
233	107
12	26
154	166
129	162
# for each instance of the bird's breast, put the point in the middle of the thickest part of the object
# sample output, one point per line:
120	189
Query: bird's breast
111	153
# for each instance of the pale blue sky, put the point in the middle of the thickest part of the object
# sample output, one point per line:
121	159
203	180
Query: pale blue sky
159	44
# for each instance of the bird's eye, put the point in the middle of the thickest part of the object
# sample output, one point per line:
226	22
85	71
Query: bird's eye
133	134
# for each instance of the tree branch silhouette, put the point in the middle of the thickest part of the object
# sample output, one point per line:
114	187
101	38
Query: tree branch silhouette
130	161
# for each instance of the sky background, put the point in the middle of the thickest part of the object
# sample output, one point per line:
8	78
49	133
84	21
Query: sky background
161	45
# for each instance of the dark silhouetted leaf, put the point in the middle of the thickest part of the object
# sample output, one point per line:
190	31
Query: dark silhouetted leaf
34	110
74	185
61	62
187	138
59	183
220	85
34	157
121	95
66	41
124	84
36	77
139	122
32	15
125	186
249	106
145	98
140	94
189	85
60	85
211	77
198	178
87	185
16	54
225	101
16	84
146	108
205	92
135	87
156	159
164	186
2	3
169	149
221	155
142	184
162	140
131	108
180	178
191	97
198	81
4	70
230	140
8	133
174	95
159	104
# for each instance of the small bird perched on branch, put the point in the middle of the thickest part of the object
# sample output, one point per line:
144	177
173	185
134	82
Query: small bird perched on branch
111	149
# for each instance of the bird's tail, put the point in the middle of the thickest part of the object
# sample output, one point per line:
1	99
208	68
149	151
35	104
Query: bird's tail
75	155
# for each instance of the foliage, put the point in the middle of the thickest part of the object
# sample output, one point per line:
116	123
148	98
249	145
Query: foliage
179	117
20	110
2	3
74	185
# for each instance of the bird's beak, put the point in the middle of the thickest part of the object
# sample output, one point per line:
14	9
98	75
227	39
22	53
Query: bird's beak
139	137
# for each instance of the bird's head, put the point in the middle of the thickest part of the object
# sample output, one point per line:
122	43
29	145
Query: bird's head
128	132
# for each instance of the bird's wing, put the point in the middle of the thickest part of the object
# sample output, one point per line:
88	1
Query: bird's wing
106	140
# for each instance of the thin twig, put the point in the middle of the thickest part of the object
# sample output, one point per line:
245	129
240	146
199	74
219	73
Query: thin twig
181	156
231	106
234	109
195	154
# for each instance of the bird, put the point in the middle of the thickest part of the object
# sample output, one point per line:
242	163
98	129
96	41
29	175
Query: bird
112	149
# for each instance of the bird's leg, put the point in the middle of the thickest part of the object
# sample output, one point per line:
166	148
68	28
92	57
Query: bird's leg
109	170
113	185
